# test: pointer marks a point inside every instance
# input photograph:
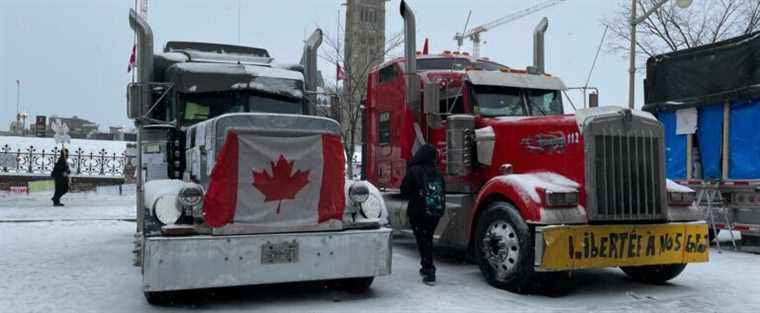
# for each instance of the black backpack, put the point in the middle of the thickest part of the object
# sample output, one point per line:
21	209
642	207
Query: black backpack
433	195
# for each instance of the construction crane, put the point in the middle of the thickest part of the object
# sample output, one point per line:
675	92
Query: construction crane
474	34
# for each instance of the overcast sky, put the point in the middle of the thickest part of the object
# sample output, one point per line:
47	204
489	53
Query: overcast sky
71	55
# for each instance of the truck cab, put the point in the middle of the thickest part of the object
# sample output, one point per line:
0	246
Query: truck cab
240	183
530	189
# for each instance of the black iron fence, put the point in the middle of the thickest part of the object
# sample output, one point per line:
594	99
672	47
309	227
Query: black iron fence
31	161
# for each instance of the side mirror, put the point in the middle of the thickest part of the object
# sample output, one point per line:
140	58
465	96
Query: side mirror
136	95
593	100
432	94
431	104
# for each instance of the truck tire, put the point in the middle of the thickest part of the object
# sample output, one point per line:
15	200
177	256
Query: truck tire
503	246
354	285
653	274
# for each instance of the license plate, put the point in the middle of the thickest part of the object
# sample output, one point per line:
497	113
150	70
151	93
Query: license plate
281	252
587	246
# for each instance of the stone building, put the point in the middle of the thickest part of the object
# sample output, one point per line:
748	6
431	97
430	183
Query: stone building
78	127
364	48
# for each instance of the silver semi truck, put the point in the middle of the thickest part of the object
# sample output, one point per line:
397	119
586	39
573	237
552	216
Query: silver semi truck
239	183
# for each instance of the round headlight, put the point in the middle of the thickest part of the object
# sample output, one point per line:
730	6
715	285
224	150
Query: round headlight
190	196
372	208
166	210
358	192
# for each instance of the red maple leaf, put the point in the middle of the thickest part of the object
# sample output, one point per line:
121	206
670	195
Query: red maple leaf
280	185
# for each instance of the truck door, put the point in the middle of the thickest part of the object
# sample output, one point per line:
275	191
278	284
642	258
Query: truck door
386	118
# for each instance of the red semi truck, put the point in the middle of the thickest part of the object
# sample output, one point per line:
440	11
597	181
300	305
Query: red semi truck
530	189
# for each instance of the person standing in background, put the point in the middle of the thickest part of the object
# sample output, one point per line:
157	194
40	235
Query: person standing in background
60	175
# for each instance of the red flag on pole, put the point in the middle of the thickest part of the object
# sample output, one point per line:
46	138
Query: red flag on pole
131	59
339	75
425	47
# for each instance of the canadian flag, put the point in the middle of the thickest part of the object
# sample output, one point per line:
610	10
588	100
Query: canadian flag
132	59
276	181
339	74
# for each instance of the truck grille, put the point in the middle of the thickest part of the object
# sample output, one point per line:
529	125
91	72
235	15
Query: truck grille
627	173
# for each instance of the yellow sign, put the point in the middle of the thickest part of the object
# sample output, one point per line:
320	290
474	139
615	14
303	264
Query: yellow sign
587	246
41	185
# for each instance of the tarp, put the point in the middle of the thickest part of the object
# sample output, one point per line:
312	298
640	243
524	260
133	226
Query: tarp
710	137
744	140
704	75
675	147
266	179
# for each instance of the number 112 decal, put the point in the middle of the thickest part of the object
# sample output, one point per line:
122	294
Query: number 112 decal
573	138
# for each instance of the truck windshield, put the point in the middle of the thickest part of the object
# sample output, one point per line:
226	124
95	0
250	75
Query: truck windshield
544	102
510	101
498	101
200	107
285	105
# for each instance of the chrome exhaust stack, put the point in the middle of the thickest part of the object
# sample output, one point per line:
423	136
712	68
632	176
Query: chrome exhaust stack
410	55
139	100
538	47
144	46
310	68
139	94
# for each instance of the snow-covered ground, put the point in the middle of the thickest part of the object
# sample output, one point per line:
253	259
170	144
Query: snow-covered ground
48	144
79	259
78	206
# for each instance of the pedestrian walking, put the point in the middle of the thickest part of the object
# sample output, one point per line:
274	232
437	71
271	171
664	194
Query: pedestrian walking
424	187
60	175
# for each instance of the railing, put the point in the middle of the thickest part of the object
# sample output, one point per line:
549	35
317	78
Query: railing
31	161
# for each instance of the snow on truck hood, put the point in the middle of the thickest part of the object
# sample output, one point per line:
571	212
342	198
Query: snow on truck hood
582	116
545	180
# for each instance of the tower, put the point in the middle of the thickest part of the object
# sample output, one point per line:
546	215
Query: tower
364	48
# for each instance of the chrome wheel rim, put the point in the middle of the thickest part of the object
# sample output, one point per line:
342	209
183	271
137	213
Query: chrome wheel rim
501	248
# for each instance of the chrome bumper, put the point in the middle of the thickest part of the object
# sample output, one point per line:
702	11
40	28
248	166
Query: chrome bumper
194	262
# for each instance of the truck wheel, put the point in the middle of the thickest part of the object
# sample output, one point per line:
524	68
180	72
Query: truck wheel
354	285
653	274
503	248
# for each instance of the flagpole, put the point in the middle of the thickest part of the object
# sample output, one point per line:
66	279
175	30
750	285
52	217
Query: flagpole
18	107
134	42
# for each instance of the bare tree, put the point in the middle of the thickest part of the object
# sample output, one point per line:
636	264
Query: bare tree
354	84
671	28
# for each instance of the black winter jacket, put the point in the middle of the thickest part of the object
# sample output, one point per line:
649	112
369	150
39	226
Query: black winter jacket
423	163
61	174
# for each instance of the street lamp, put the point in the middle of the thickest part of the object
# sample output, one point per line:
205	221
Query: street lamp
636	21
18	107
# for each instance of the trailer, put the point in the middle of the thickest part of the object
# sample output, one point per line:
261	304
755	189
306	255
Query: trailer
708	99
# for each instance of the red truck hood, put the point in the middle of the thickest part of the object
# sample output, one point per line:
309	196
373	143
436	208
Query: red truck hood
537	144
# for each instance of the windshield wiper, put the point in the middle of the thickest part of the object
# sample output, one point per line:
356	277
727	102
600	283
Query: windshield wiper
533	105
